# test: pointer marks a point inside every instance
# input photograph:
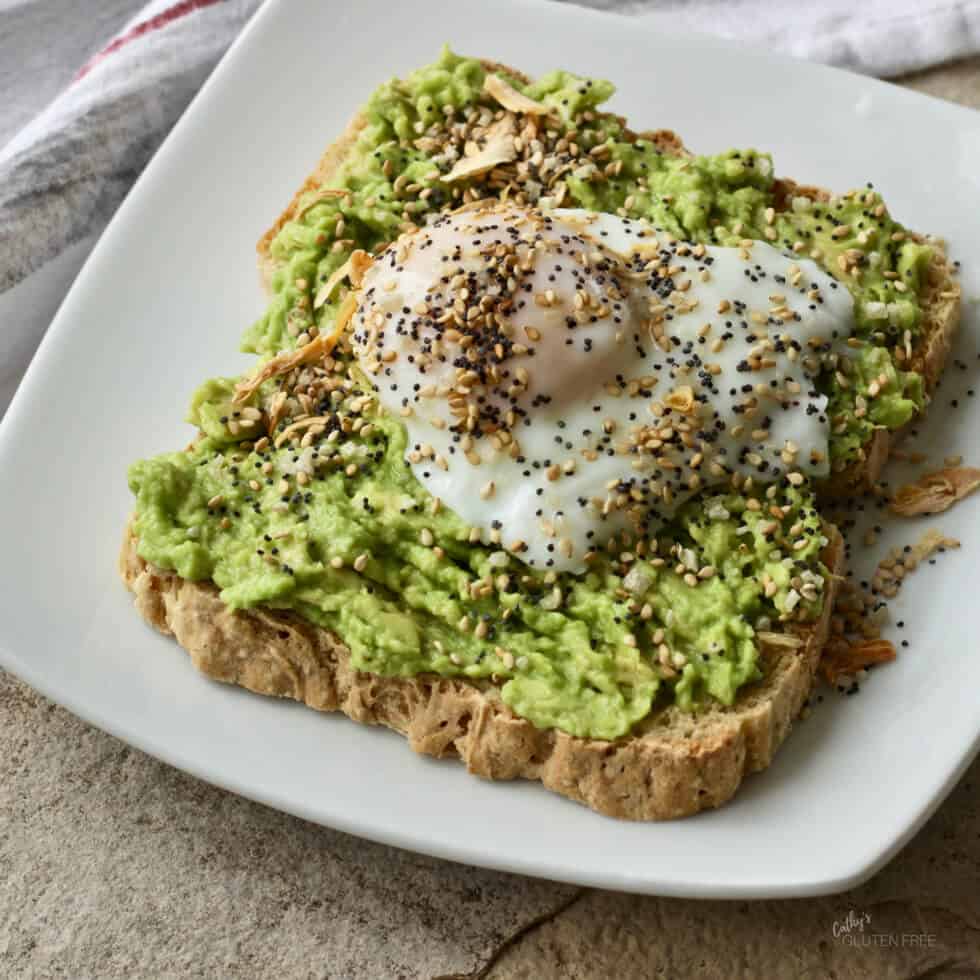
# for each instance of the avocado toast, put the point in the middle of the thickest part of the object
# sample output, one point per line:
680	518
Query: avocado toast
644	683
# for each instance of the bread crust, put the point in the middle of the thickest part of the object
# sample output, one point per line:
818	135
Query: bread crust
673	764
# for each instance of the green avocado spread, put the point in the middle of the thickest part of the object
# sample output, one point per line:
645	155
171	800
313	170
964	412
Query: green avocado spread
301	497
394	178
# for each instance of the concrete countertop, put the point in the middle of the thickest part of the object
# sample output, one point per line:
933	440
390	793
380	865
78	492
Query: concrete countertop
115	865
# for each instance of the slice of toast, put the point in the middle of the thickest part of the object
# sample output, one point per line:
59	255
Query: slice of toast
940	296
673	764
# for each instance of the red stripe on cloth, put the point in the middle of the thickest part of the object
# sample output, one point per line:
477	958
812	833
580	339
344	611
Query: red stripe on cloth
163	18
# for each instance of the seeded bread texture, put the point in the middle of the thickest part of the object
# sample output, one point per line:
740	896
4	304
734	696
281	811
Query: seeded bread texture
674	764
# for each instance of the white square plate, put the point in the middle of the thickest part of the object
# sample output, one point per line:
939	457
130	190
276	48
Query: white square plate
161	305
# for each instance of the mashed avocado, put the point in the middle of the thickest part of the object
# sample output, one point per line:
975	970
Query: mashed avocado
595	163
302	499
345	535
879	395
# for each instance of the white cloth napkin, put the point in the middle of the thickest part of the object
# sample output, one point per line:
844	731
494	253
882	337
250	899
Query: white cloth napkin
63	174
875	37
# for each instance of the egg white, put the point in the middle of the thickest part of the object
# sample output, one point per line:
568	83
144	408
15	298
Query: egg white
612	326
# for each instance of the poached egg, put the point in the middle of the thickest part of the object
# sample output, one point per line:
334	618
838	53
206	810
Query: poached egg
566	376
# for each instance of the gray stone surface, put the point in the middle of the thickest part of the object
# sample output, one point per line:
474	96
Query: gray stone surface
959	82
931	891
113	865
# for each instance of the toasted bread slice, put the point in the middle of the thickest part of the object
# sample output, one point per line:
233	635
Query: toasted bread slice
941	294
673	764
